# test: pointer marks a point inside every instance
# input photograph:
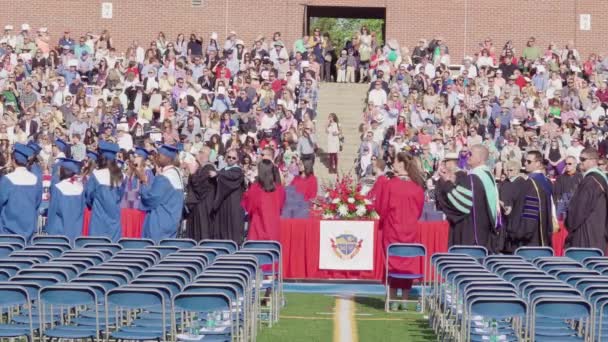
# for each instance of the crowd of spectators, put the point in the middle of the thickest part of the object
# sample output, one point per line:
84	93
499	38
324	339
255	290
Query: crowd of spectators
549	100
260	98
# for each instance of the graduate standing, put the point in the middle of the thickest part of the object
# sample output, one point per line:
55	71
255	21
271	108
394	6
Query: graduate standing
61	149
103	192
200	224
20	196
35	163
66	208
264	201
163	197
587	217
443	194
229	214
400	210
472	203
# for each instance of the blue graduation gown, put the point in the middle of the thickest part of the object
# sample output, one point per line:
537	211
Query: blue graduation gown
35	169
20	197
163	201
66	209
104	202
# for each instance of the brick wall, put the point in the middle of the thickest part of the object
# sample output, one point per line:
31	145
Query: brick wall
462	23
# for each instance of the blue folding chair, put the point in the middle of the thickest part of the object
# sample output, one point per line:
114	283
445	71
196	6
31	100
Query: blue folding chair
228	244
403	250
13	239
15	296
179	243
493	306
554	311
477	252
6	249
135	243
196	300
135	299
83	240
75	297
531	253
50	239
580	254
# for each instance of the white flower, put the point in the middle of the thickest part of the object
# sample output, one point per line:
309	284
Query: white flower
350	200
343	210
336	200
361	210
367	202
328	216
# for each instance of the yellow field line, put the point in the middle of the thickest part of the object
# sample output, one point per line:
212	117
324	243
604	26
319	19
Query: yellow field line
345	325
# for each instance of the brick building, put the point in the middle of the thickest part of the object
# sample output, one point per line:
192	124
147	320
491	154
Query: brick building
462	23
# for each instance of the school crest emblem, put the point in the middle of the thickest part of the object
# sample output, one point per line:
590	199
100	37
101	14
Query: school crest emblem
346	246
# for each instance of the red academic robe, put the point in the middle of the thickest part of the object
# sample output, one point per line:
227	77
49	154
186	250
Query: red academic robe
400	207
264	209
307	186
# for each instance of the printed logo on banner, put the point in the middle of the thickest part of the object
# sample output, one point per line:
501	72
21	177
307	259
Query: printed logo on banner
346	246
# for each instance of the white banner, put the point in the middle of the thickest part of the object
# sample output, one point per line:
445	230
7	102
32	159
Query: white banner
346	245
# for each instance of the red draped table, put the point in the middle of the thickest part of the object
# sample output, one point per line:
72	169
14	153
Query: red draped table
300	241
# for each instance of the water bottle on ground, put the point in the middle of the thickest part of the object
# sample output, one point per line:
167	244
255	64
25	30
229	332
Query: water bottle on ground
494	337
194	327
210	320
419	305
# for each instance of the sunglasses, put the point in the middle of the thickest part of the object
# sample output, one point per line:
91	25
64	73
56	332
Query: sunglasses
584	159
528	161
230	158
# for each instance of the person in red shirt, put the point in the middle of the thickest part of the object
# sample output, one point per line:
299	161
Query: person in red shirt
306	182
400	206
263	201
602	94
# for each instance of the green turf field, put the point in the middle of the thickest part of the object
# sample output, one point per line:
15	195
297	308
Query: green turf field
309	317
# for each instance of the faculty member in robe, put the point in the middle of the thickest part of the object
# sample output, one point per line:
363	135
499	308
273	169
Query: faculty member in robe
229	214
263	201
20	196
66	208
200	225
399	211
471	204
450	165
103	192
587	216
163	197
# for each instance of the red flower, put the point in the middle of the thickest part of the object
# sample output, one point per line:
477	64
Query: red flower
333	207
359	197
352	206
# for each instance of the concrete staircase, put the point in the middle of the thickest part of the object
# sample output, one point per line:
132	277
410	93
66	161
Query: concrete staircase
347	101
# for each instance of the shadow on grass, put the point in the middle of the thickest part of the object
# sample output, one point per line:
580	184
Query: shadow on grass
375	303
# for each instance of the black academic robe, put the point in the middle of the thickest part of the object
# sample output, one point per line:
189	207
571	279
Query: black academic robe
229	215
529	222
566	184
200	224
587	217
465	205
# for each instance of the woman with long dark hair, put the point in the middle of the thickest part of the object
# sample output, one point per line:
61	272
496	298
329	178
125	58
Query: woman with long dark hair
103	193
263	202
400	206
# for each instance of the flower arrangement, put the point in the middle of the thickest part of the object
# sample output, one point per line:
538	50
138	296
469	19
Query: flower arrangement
344	200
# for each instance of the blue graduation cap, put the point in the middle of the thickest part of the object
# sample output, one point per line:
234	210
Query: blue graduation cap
70	164
108	150
168	150
140	151
34	146
61	145
180	147
92	155
22	153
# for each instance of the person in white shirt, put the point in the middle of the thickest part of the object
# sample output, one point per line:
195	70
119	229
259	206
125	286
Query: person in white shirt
426	68
596	110
123	138
377	96
469	67
575	149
